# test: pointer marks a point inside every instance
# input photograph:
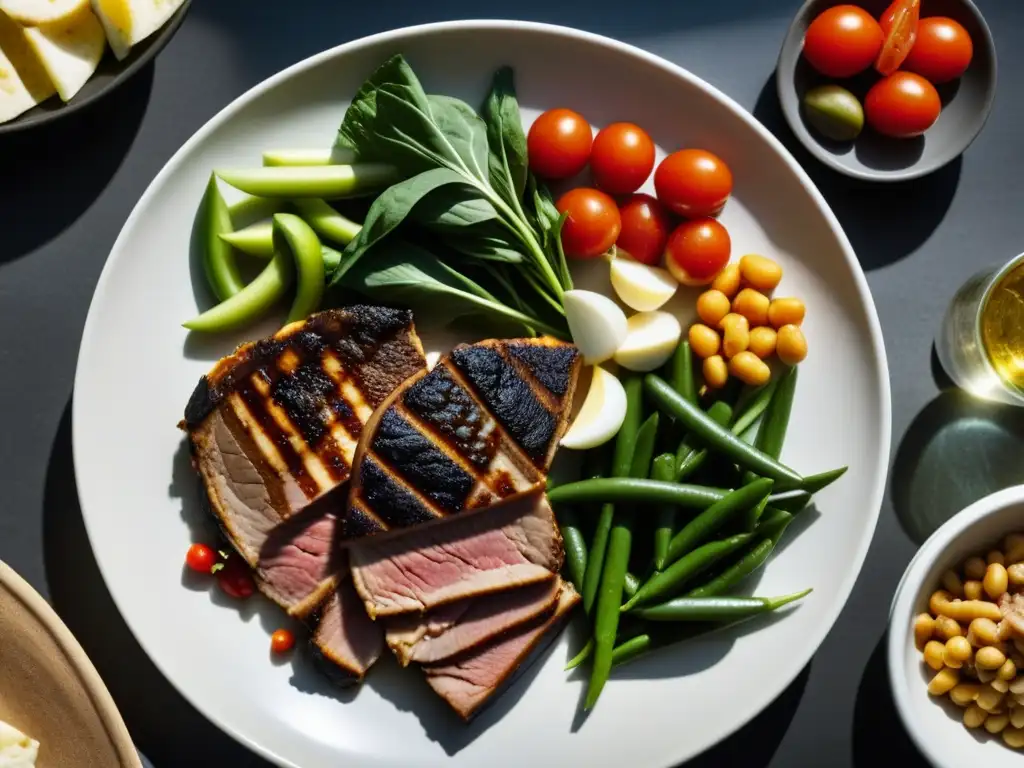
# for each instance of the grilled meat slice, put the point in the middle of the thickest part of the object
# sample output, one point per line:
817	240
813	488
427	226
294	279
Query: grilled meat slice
457	627
471	680
274	426
478	429
512	546
345	642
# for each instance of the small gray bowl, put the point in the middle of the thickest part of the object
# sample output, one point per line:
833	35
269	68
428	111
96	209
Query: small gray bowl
966	102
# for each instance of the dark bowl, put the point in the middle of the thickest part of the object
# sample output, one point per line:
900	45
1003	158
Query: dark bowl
108	76
966	102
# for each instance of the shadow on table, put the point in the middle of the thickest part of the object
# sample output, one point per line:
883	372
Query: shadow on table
879	737
160	721
885	222
956	451
49	175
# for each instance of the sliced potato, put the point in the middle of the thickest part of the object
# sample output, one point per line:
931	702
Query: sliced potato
35	12
69	51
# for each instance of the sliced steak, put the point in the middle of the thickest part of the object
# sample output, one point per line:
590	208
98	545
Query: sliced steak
345	642
511	546
274	426
457	627
478	429
469	681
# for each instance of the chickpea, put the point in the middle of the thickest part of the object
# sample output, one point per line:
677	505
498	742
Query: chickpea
924	627
1014	737
762	341
1017	717
989	699
753	305
786	312
996	581
716	373
1015	575
941	603
712	306
1004	631
1018	644
957	651
985	675
996	723
1008	671
973	590
1013	548
952	584
989	657
704	341
760	272
964	694
728	280
750	369
974	716
735	334
995	556
934	654
1017	686
983	632
974	568
791	345
944	681
946	628
999	684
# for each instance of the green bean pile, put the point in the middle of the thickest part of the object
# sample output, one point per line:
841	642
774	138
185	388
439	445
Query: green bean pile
694	541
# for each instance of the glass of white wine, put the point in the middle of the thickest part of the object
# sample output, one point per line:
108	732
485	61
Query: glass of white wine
981	342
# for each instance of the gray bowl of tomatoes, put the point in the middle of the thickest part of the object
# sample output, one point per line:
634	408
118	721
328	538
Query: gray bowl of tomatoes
597	178
887	91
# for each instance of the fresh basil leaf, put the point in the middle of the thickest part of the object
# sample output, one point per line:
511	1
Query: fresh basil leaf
508	157
465	131
358	131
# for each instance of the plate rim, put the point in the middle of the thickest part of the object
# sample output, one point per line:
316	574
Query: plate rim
794	664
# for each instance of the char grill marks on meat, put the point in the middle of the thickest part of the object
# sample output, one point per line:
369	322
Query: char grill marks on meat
479	429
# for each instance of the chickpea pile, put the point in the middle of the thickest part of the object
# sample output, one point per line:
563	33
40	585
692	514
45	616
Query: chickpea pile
753	326
973	637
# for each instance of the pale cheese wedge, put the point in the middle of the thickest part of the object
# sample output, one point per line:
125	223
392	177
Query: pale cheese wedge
129	22
35	12
69	51
16	749
23	81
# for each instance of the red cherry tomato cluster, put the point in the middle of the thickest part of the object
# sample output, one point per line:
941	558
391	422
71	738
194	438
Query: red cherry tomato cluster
910	53
232	573
692	184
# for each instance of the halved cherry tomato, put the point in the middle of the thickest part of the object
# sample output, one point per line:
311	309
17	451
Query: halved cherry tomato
622	158
558	144
842	41
697	251
645	227
693	183
235	579
899	24
592	222
942	51
200	558
282	641
902	105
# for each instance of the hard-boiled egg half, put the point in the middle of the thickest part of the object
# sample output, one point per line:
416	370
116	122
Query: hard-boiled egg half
641	287
16	749
651	338
601	415
23	81
597	324
129	22
69	50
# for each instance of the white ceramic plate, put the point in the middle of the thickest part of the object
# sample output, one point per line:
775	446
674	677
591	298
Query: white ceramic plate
137	368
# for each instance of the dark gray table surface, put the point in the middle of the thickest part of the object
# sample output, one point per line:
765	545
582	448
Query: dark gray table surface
66	190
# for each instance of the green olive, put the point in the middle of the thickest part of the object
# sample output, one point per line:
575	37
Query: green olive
834	112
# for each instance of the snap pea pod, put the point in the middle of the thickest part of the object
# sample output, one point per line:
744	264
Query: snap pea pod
326	221
701	528
629	490
716	608
717	437
251	208
330	181
681	376
666	583
622	462
335	156
664	470
575	545
749	411
257	240
251	302
293	235
218	259
721	413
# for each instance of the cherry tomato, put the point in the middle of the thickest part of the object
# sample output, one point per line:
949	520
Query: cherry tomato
592	225
693	183
902	105
622	158
843	41
236	579
645	227
697	251
282	641
899	25
558	144
942	51
200	558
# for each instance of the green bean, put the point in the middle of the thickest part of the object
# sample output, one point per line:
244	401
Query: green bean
326	221
702	527
622	461
772	433
258	240
754	407
585	653
628	490
670	581
643	452
771	529
218	259
251	302
716	608
681	376
721	413
627	650
335	156
717	437
293	235
815	483
631	584
575	545
790	501
664	470
331	181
